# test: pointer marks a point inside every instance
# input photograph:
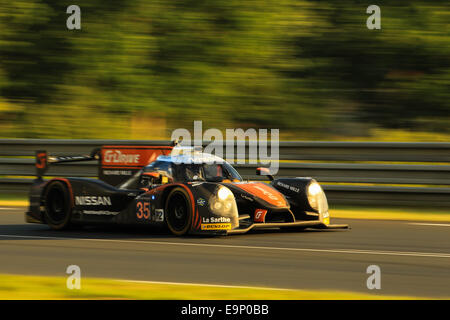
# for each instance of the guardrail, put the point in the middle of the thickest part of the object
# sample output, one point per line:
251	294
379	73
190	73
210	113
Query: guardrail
338	178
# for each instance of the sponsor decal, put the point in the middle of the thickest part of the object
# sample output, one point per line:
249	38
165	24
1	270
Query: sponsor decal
264	192
216	220
216	226
288	187
116	156
93	200
201	202
268	194
260	215
195	184
117	172
121	157
100	212
159	215
243	196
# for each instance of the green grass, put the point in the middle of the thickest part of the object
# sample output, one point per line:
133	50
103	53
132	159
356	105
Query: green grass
14	199
39	287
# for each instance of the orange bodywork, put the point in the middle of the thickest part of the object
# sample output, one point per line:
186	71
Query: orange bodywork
264	192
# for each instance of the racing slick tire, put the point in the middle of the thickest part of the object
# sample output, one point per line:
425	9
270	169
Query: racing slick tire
178	211
58	209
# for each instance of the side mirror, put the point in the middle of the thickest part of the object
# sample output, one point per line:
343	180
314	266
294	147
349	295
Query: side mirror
264	172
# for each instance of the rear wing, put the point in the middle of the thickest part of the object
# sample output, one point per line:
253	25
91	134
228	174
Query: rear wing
43	160
115	163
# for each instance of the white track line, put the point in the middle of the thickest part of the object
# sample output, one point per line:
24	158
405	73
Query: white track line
348	251
201	284
430	224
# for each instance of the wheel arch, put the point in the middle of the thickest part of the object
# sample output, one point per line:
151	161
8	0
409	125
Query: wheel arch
64	181
195	221
65	185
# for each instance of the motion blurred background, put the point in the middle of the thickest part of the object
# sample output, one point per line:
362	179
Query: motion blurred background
138	69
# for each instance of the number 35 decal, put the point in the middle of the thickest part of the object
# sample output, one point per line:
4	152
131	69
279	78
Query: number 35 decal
143	210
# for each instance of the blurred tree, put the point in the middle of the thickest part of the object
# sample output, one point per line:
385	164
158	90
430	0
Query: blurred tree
397	75
309	68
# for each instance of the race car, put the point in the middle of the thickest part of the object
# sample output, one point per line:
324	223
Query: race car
181	188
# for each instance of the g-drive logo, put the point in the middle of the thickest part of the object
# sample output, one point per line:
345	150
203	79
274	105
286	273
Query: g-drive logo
116	156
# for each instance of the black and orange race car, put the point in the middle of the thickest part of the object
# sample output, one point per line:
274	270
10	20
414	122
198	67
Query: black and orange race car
188	191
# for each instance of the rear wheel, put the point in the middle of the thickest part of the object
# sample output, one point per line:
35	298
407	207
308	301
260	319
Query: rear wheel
178	212
57	205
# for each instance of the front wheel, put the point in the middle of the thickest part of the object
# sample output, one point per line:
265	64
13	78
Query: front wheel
58	209
178	212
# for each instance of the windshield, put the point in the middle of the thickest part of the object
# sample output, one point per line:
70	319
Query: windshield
210	172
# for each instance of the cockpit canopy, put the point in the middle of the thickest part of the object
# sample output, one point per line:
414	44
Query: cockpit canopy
183	172
183	168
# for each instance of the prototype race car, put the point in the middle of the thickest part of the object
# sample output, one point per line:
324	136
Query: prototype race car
188	191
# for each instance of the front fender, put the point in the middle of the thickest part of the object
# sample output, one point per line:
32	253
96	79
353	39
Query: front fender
302	203
208	220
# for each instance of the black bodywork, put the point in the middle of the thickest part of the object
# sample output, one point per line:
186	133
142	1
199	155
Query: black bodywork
146	198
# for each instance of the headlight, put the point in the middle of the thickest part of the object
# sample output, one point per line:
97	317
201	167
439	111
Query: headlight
314	191
223	203
228	205
217	205
318	201
224	193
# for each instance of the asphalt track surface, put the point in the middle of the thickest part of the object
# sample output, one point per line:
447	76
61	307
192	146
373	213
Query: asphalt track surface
414	258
